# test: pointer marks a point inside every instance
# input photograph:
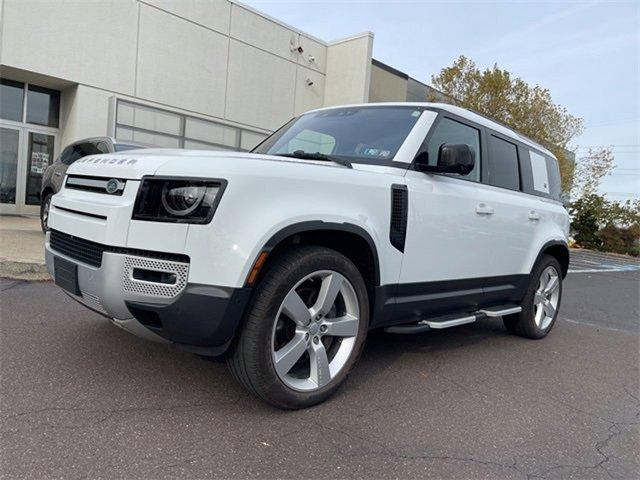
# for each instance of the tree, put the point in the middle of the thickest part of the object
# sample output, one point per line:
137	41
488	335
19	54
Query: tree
586	216
622	214
590	170
528	109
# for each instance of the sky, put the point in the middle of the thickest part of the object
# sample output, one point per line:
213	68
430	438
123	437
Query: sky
587	53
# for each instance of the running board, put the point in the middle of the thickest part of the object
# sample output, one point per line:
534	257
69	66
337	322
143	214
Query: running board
449	321
501	310
437	323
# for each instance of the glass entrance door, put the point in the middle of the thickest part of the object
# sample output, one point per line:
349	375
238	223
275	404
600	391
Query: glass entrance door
25	153
40	151
10	147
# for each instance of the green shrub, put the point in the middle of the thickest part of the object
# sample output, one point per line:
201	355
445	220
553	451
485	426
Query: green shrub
620	240
600	224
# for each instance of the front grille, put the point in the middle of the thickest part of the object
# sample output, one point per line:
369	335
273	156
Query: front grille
79	249
93	302
91	252
111	186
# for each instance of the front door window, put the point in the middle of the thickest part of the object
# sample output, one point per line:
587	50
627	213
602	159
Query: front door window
451	131
9	147
39	156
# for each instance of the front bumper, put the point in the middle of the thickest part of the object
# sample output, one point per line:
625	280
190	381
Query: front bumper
196	317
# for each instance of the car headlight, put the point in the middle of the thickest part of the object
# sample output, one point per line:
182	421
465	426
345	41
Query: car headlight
177	200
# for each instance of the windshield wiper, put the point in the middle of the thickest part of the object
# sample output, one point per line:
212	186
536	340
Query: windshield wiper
316	156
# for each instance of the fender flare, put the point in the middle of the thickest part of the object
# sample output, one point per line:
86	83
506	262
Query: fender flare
553	243
319	225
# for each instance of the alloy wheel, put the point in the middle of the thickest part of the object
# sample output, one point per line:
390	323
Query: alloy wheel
315	330
546	297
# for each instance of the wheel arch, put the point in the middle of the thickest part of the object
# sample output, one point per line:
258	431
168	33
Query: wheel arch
48	190
327	234
559	250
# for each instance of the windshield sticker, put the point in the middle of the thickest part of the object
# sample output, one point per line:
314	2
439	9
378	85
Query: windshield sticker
415	113
375	152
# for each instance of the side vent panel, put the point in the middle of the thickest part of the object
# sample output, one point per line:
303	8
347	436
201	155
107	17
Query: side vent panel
399	209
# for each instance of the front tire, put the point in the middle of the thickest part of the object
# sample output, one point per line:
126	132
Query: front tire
304	330
541	303
44	213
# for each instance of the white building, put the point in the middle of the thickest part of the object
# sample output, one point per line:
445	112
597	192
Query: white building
173	73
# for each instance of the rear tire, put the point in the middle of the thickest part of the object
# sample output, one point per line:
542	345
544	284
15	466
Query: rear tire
294	349
541	303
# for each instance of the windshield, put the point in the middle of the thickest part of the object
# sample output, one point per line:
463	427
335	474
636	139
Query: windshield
368	134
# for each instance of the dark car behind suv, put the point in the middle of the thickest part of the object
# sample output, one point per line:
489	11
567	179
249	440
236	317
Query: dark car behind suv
53	176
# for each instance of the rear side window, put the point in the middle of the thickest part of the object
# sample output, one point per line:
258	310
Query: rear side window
102	147
502	167
450	131
555	185
539	172
78	151
65	156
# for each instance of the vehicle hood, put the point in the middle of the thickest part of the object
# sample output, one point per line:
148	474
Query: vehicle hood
135	164
131	164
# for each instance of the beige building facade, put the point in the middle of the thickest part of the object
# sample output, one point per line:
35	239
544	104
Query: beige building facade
210	74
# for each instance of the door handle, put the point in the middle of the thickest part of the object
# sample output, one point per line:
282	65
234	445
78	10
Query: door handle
484	209
534	216
57	174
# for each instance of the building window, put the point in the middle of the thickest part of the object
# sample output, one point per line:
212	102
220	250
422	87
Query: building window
250	140
10	141
154	126
11	99
43	106
199	132
148	125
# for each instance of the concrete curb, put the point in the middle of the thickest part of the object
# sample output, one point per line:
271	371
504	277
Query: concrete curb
20	270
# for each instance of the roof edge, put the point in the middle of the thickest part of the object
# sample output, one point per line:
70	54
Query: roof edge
279	22
351	37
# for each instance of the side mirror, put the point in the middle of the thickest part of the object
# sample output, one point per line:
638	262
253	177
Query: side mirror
456	158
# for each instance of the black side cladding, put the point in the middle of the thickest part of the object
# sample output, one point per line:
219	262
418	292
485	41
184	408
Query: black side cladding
399	211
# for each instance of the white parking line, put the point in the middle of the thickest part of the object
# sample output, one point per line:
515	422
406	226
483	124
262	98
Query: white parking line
628	268
601	327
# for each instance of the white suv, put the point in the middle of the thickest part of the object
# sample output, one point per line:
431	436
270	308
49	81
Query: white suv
407	217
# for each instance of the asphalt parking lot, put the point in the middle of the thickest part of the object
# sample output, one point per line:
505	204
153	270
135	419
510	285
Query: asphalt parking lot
82	399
